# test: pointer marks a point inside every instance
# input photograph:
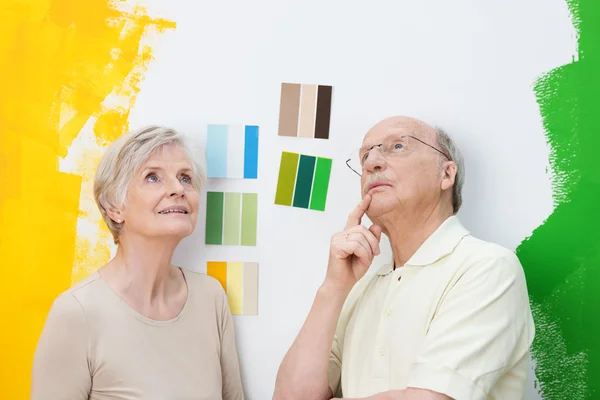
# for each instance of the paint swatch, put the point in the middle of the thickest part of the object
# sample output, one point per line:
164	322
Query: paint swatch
303	181
305	110
240	282
232	151
231	218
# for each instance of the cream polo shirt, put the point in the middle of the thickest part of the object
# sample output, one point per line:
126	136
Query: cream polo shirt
454	319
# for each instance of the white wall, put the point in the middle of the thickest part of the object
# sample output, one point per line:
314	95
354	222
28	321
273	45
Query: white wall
466	65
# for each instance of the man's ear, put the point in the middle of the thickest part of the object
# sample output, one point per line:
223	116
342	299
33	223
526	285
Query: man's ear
449	175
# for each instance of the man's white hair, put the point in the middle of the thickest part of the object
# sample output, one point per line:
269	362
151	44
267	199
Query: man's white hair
448	146
124	157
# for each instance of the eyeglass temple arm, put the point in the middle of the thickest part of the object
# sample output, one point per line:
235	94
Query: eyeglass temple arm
436	149
353	170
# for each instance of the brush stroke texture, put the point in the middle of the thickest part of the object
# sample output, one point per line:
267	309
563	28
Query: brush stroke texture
59	60
562	256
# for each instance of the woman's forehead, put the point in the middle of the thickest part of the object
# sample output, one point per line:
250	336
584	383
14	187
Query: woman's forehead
170	153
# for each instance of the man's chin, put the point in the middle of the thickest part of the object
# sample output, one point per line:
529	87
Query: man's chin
381	204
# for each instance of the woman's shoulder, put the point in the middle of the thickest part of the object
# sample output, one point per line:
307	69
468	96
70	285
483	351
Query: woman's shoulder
69	306
84	290
204	283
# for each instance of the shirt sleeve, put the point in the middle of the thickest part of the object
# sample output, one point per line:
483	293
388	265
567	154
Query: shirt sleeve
60	367
334	368
481	329
230	368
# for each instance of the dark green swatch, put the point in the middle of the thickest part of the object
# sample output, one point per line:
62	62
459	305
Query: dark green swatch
306	169
214	218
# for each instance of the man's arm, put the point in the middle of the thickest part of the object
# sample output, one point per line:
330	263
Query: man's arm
303	374
407	394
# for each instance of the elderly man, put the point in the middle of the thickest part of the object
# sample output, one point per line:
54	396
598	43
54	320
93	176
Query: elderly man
448	319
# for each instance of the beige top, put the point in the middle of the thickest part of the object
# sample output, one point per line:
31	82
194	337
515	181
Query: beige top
454	319
94	346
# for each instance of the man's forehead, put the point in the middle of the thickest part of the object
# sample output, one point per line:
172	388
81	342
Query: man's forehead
379	134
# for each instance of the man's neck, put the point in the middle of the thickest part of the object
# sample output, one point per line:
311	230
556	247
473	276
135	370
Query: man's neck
407	231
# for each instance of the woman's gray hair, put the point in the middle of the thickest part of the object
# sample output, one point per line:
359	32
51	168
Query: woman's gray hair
448	146
124	157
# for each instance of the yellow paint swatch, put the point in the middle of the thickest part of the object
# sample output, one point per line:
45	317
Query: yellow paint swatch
235	287
59	62
240	281
218	270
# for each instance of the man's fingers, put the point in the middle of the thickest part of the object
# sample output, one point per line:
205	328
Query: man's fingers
363	241
376	231
348	249
368	235
355	216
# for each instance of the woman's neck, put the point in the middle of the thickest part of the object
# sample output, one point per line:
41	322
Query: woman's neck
142	272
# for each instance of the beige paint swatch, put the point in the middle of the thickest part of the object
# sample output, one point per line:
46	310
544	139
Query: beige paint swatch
288	109
250	288
308	105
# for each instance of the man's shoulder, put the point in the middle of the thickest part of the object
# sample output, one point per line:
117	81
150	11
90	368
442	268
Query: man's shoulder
477	250
475	256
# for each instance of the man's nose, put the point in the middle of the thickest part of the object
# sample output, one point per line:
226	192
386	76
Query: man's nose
375	160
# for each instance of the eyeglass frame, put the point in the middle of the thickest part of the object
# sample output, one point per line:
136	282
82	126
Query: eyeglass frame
401	137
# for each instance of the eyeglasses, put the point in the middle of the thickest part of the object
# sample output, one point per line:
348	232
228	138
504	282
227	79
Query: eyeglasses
392	147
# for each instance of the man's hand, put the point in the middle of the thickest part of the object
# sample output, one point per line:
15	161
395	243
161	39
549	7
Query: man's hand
352	251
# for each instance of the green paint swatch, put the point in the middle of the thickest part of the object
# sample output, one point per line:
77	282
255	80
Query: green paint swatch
214	218
231	218
561	258
306	169
249	218
287	178
232	222
301	183
320	184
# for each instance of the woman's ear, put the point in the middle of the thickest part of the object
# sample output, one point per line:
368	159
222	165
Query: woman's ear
115	214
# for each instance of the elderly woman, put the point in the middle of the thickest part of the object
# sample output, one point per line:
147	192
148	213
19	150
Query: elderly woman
140	327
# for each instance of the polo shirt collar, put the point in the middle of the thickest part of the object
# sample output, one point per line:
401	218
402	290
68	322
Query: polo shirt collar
439	244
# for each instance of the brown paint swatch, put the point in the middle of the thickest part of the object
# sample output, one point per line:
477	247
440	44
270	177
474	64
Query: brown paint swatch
308	103
323	112
288	110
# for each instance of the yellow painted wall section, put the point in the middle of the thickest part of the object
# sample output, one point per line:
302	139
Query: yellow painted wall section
59	60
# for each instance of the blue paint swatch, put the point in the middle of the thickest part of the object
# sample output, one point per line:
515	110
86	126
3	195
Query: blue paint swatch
216	158
251	152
